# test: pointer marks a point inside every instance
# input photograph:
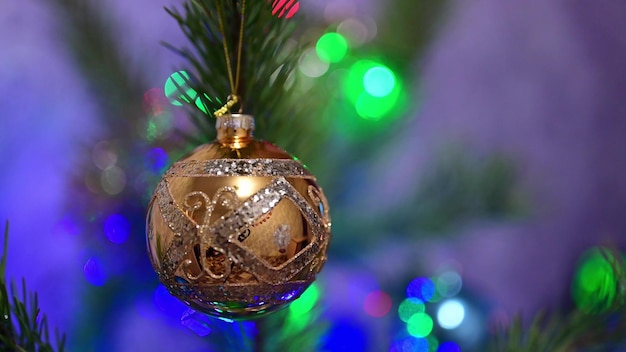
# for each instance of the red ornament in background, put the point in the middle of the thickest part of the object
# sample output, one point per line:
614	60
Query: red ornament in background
286	8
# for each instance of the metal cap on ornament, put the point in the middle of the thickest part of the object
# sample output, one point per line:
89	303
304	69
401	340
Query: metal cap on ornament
235	130
238	228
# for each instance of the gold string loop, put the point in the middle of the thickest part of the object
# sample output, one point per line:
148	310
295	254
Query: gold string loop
234	97
225	109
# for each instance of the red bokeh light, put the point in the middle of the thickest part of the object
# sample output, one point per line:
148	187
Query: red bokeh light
286	8
377	304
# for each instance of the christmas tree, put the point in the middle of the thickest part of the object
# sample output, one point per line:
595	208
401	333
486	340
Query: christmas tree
337	89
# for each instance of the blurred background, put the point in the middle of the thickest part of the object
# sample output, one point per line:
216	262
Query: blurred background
473	153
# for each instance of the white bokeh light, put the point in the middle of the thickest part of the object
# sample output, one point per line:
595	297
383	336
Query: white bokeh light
311	65
451	314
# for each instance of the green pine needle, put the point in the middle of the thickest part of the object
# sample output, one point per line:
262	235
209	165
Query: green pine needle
267	63
579	330
22	325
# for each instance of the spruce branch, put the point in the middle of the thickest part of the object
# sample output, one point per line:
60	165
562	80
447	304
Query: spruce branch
214	30
580	330
22	325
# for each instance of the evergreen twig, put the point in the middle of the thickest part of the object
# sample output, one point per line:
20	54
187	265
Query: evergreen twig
267	61
22	325
578	331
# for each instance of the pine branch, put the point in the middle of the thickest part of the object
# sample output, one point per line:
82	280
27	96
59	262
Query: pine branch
22	326
267	62
579	330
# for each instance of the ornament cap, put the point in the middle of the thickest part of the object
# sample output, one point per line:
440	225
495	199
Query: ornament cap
235	130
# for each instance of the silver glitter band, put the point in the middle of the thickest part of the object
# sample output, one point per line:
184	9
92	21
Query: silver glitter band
239	167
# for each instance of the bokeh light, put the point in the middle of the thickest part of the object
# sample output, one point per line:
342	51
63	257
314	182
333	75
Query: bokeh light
286	8
373	89
157	126
116	228
377	304
154	101
449	346
450	314
420	325
157	160
346	334
300	309
306	302
354	31
410	306
595	284
373	108
354	80
113	180
433	343
421	288
410	344
310	64
332	47
159	117
103	155
449	283
94	274
177	89
379	81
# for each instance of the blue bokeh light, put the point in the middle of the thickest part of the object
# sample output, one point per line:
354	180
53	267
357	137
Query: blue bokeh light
167	303
157	160
421	288
94	274
116	228
449	346
346	335
410	344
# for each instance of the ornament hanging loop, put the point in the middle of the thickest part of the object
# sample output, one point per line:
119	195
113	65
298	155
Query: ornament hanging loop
230	102
234	82
237	100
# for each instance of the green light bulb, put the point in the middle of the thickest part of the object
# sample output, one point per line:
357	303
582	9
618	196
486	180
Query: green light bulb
595	284
420	325
306	302
409	307
331	47
372	88
379	81
177	88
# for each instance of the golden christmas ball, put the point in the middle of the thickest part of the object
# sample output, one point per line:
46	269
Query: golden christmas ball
237	227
